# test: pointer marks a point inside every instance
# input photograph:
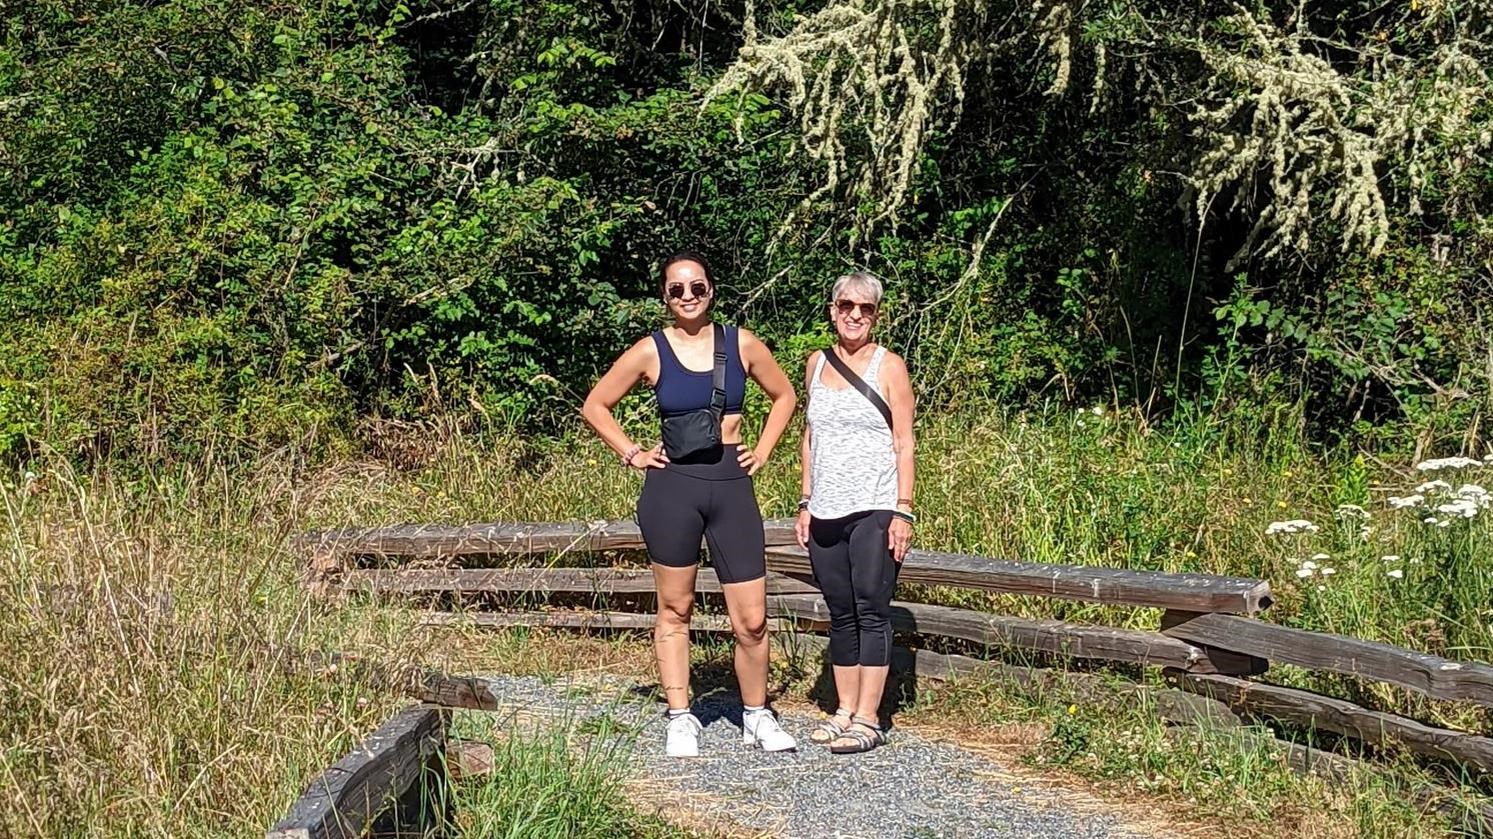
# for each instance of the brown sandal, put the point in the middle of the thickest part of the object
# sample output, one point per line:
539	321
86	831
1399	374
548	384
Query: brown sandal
864	735
830	728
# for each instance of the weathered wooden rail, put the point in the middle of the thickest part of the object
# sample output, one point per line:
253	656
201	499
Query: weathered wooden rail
1209	641
1119	587
335	549
383	779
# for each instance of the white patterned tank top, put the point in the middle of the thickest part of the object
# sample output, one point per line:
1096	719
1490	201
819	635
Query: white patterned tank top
852	465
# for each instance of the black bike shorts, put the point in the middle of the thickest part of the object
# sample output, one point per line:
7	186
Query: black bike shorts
710	496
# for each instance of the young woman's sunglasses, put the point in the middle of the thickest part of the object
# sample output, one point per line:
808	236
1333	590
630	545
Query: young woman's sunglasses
697	288
845	307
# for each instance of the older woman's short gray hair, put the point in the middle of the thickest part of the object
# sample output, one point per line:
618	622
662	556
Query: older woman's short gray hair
860	280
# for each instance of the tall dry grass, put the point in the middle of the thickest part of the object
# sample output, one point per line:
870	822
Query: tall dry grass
146	613
144	624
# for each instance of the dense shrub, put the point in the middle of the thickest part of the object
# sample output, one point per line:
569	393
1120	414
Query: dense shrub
254	221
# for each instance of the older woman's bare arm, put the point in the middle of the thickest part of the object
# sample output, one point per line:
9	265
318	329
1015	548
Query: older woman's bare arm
898	387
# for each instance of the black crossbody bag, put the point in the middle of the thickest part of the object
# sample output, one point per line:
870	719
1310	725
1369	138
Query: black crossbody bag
859	384
700	430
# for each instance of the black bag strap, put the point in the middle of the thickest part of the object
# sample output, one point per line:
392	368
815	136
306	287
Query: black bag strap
859	384
718	375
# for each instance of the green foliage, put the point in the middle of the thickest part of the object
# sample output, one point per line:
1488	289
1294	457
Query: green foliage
253	222
544	785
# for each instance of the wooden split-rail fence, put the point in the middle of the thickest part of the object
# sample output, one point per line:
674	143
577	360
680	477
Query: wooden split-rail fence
1211	645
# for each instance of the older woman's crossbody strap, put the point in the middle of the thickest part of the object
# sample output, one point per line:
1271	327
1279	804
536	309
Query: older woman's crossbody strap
859	384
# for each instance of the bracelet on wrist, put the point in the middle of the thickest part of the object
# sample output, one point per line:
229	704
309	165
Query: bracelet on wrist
631	453
905	515
803	503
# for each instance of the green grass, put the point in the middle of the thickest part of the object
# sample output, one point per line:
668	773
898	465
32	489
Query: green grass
558	782
145	608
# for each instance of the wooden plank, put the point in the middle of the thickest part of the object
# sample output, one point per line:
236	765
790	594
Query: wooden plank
345	800
1235	664
1045	636
586	621
426	540
534	580
1431	675
1190	592
448	691
427	685
1169	704
1327	714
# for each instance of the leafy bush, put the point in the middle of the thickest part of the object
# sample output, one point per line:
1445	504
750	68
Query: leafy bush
253	222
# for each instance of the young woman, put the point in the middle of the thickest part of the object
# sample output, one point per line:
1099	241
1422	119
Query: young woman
708	492
855	516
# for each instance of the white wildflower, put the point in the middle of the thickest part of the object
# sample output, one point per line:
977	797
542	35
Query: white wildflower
1291	526
1401	502
1321	588
1466	508
1390	557
1321	556
1395	574
1303	572
1475	493
30	476
1429	519
1444	523
1431	487
1365	532
1328	572
1447	463
1308	565
1345	511
1097	410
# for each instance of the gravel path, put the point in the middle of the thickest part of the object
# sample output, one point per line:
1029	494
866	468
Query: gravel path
912	787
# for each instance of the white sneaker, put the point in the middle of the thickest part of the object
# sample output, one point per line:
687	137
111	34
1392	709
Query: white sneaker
762	729
683	736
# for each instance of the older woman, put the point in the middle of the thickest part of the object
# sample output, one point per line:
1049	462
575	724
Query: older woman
855	516
699	483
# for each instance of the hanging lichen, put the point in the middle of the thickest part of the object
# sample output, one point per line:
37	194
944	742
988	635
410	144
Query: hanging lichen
1309	135
1320	138
869	74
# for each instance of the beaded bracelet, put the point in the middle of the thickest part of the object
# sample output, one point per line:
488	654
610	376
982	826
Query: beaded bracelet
631	453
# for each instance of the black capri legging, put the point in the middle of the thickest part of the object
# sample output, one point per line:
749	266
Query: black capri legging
855	570
710	495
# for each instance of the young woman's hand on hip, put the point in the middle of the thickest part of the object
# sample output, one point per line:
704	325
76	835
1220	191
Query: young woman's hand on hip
646	459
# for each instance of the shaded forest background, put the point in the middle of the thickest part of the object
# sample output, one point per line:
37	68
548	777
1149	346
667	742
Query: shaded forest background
261	222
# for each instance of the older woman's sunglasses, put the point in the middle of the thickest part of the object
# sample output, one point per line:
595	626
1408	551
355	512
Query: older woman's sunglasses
845	307
698	289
